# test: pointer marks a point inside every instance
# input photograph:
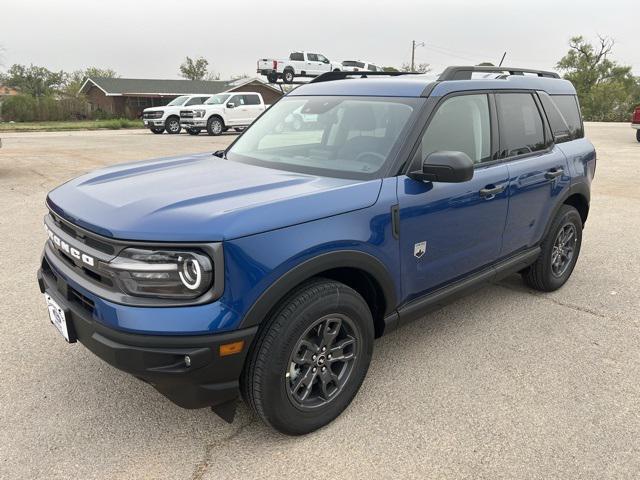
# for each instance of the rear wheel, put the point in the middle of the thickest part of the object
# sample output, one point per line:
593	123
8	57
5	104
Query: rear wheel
288	76
239	129
560	250
310	358
638	135
172	125
215	126
193	131
157	130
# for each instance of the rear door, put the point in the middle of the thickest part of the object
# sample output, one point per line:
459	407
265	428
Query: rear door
448	230
537	168
253	106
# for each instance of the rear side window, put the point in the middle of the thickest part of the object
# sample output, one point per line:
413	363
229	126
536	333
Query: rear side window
297	56
460	124
251	100
521	126
312	57
568	106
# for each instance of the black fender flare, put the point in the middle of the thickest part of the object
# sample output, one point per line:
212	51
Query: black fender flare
314	266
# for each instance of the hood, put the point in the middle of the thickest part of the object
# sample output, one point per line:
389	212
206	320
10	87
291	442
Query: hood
155	109
202	198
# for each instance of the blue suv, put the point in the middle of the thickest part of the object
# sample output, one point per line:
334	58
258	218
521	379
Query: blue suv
354	205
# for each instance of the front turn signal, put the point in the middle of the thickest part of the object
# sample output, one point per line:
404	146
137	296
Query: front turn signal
231	348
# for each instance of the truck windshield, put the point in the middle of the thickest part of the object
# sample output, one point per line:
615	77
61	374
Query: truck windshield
350	137
176	102
217	99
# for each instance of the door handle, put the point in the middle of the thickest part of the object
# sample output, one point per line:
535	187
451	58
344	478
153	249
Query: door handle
491	191
553	173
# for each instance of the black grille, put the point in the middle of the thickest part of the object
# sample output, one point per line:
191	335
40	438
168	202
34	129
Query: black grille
82	237
151	115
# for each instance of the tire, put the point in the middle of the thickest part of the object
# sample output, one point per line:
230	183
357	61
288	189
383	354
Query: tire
239	129
272	77
638	135
215	126
157	130
270	372
565	234
288	76
193	131
172	125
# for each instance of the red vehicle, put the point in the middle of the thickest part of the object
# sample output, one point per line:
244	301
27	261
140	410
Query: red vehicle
635	122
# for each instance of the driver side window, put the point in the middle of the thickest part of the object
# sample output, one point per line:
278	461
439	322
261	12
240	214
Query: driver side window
462	123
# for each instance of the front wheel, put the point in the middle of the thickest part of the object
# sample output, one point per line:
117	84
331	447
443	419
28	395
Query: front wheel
172	125
215	126
310	358
638	135
560	250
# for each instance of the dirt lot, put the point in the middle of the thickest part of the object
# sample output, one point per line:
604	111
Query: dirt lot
506	383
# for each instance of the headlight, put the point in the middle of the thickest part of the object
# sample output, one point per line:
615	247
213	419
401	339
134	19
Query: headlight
198	113
162	273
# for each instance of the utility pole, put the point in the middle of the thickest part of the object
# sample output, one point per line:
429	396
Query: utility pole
414	44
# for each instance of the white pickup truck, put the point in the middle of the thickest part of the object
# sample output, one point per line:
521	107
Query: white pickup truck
159	119
299	64
222	112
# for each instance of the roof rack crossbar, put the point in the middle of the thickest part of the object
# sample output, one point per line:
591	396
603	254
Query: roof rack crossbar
465	73
329	76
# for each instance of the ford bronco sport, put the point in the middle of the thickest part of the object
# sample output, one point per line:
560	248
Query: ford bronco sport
267	270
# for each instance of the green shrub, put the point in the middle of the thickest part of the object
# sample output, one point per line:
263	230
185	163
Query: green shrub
20	108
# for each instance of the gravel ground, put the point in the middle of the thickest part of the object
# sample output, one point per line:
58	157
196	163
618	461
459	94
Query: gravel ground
505	383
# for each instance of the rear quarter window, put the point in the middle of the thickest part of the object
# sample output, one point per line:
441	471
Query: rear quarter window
568	107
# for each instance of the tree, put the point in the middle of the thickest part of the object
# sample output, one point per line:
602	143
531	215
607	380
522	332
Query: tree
419	68
195	69
607	91
34	80
75	79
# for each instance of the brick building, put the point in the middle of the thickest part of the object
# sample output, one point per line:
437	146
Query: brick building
127	97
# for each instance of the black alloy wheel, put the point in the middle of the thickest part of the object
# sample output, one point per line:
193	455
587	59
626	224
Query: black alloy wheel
322	361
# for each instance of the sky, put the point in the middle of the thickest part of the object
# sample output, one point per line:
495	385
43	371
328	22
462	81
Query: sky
150	38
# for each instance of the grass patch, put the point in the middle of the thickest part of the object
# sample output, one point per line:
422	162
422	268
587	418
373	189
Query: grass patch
112	124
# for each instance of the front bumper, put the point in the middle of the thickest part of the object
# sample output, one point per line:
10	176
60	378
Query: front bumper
193	122
153	122
209	380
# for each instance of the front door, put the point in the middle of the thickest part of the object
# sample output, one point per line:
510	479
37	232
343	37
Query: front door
236	115
448	230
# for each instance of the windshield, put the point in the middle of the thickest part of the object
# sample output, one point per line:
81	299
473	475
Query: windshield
217	99
177	101
351	137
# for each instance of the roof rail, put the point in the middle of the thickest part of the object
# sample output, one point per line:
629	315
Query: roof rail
340	75
465	73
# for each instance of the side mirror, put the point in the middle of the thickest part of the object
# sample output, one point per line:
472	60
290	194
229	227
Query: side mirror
446	167
231	105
